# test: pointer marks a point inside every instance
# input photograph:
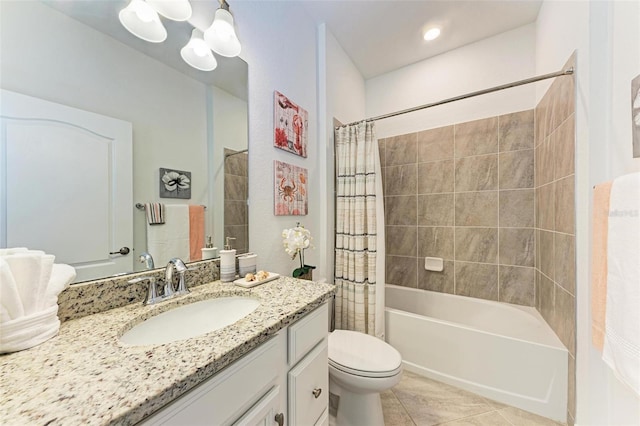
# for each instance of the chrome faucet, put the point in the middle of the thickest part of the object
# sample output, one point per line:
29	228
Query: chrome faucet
180	268
152	291
147	259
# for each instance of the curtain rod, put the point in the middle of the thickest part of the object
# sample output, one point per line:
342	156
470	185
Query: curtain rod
568	71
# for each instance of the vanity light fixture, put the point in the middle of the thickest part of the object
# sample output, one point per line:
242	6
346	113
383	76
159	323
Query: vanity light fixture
197	53
221	35
142	20
177	10
432	34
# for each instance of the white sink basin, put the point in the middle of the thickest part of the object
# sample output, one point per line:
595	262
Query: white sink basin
191	320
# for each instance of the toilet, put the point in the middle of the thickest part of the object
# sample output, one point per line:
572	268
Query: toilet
360	367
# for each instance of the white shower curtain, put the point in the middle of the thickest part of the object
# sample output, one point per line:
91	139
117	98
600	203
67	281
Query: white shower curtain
359	262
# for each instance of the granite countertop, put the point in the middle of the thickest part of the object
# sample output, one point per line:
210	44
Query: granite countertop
85	375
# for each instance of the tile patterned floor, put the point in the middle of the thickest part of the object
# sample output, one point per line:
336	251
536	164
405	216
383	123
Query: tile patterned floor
418	401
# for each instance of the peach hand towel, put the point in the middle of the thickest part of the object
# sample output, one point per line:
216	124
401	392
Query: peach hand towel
196	232
601	195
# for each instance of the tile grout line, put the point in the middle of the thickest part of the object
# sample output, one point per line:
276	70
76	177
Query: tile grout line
403	407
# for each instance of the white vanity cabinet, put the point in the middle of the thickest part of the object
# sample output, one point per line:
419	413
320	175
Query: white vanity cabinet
283	381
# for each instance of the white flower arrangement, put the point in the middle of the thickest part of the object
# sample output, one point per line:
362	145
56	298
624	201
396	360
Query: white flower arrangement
295	241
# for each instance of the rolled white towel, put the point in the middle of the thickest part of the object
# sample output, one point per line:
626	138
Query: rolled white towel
27	270
9	296
45	277
13	250
29	331
61	276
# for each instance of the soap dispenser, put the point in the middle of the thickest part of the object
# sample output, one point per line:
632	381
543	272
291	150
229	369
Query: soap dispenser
209	251
228	262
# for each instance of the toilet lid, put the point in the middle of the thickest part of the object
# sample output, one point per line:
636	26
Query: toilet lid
363	355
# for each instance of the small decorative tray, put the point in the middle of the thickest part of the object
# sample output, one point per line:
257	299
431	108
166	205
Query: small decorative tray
247	284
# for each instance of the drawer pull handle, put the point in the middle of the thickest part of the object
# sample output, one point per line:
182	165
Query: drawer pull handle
317	392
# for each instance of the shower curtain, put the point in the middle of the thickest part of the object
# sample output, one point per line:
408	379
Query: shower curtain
359	252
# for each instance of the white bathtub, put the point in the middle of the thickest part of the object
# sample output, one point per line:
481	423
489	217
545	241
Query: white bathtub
505	352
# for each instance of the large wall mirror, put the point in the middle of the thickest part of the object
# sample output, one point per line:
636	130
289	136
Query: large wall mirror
75	53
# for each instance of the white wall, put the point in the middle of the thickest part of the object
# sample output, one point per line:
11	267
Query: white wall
51	56
229	131
497	60
279	44
341	96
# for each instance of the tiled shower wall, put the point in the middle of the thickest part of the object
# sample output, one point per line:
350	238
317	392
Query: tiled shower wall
463	193
555	216
236	191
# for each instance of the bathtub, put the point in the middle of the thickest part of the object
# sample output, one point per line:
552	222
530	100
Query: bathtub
504	352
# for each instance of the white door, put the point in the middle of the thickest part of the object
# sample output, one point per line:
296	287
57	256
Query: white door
66	184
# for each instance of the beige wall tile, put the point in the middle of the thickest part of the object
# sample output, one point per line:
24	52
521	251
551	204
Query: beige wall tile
381	151
477	245
476	208
547	257
478	173
435	242
435	144
516	169
401	149
435	210
435	177
516	131
540	113
565	205
401	241
235	187
517	285
547	299
517	246
401	271
546	163
476	137
401	180
401	210
545	207
436	281
516	208
565	262
477	280
571	392
235	212
565	316
564	148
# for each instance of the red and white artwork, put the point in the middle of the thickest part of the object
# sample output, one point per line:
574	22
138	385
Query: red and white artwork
291	125
290	192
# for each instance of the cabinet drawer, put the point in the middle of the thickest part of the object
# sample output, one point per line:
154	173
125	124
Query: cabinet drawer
309	387
307	332
228	394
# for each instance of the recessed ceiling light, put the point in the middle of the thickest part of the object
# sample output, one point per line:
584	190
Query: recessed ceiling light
432	34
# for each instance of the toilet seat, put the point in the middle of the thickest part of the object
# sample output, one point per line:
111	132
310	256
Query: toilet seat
362	355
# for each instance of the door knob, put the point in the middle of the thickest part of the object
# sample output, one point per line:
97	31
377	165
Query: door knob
316	392
279	419
123	251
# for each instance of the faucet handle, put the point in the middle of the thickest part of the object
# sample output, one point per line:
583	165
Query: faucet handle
152	291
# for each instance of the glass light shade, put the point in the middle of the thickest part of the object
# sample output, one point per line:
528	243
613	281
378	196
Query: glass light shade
141	20
177	10
198	54
221	35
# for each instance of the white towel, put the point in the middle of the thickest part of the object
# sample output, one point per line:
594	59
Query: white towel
61	276
622	321
9	295
29	331
28	269
170	239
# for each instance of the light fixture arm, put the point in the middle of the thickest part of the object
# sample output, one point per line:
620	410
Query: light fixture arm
224	5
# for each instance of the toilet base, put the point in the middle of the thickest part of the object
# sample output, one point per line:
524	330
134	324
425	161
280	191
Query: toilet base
357	409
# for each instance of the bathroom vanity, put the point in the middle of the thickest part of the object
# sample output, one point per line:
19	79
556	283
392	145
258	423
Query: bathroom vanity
270	367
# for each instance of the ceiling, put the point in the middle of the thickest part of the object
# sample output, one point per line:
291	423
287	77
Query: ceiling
383	35
378	35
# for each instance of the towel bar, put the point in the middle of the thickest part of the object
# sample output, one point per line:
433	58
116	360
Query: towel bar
140	206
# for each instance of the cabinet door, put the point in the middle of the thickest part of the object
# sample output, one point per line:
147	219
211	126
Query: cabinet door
264	412
309	387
